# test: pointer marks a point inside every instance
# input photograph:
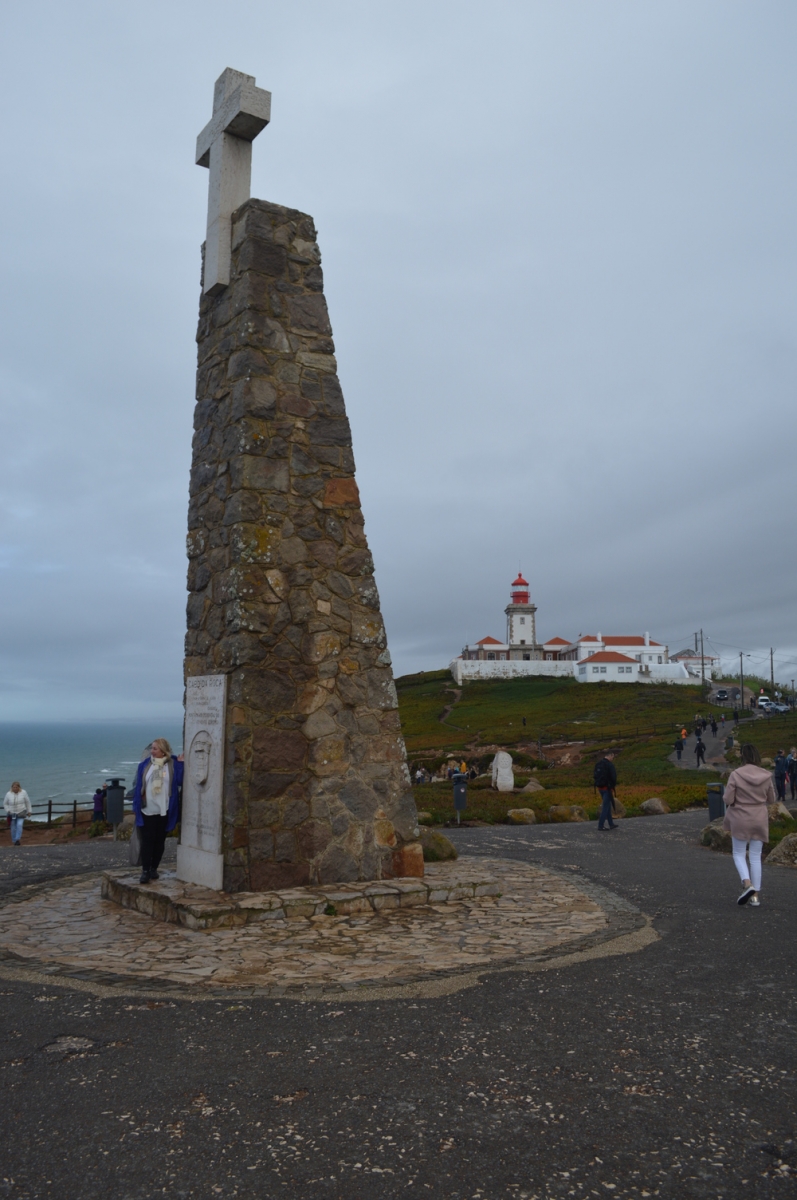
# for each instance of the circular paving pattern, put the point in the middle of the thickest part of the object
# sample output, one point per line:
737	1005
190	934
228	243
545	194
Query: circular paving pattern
68	929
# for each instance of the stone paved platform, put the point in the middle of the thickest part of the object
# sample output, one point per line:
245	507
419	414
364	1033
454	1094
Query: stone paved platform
71	930
169	899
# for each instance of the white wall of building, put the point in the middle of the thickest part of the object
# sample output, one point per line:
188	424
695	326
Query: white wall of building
464	669
513	668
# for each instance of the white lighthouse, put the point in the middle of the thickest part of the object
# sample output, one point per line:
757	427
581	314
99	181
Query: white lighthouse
521	630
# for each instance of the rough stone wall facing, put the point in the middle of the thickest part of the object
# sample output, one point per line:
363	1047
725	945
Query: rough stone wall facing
282	596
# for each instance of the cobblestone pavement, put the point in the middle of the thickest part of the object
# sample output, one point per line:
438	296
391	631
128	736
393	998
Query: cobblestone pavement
668	1073
71	927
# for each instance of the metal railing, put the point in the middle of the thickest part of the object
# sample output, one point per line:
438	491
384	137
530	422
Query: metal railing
45	810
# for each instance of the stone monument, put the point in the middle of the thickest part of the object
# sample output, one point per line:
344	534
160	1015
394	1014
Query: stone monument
285	635
503	778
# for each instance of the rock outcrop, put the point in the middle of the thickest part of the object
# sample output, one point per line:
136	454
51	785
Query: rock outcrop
785	853
654	807
715	837
521	816
566	812
437	847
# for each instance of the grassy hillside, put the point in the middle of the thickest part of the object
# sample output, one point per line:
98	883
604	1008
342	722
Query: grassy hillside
574	723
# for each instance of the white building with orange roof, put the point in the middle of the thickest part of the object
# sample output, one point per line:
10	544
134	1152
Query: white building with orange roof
589	658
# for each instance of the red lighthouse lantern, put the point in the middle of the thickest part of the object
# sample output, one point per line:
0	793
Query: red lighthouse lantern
520	591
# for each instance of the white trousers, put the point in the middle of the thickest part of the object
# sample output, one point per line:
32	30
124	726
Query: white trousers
740	855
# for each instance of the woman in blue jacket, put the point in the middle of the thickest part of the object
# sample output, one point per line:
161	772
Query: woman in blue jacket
156	803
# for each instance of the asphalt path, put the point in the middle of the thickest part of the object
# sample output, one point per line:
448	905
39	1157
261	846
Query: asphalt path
666	1072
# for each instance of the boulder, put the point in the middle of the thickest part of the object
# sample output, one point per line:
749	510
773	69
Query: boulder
521	816
503	777
785	853
436	846
619	809
716	837
533	785
768	762
654	807
425	818
567	812
778	811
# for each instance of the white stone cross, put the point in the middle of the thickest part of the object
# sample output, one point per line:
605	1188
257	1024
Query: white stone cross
240	111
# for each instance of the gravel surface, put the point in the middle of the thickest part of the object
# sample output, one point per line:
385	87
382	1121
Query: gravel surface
668	1072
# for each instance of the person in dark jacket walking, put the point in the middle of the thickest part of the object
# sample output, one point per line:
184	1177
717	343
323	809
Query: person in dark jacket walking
781	771
714	726
605	780
679	748
156	803
736	716
700	752
791	766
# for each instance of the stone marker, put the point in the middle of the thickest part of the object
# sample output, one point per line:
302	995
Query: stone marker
282	599
199	857
503	778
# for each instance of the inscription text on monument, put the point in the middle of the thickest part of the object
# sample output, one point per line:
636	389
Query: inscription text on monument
199	855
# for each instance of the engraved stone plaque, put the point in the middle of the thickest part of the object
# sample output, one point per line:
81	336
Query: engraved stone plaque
199	855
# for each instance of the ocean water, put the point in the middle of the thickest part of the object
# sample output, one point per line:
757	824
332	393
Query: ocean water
66	762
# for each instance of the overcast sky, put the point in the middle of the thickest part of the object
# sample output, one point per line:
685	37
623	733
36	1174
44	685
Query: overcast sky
560	259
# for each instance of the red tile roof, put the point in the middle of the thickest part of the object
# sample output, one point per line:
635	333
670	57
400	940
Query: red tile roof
631	640
607	656
556	642
489	641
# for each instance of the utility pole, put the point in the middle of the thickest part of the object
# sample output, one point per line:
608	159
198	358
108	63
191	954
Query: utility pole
772	669
702	668
792	694
741	679
695	643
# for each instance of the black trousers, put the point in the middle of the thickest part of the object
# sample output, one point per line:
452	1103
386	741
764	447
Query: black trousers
153	838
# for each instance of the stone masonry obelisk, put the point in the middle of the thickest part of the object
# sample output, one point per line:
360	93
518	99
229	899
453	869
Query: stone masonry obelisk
296	770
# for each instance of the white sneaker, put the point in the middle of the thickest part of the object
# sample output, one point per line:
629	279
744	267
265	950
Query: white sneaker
747	894
755	902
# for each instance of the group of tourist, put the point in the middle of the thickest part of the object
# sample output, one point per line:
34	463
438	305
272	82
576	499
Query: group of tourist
747	793
156	804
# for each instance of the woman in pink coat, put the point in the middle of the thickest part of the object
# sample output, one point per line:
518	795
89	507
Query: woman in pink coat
748	792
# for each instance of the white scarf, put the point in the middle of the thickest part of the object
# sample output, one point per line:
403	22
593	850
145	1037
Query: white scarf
155	781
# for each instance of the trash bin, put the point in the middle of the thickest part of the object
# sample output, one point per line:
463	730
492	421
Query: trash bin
716	804
115	804
729	742
460	794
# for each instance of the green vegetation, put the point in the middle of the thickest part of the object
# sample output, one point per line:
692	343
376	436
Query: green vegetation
574	723
492	711
492	807
770	734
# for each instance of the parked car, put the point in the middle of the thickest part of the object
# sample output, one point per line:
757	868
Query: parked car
764	701
779	708
722	694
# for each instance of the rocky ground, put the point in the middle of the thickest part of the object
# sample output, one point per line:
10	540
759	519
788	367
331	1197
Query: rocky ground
668	1071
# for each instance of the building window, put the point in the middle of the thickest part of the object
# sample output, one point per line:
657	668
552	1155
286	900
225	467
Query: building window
594	670
582	670
549	658
603	670
522	641
522	620
502	657
527	658
659	658
491	657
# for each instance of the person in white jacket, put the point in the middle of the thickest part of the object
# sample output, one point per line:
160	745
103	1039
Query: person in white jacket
17	806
